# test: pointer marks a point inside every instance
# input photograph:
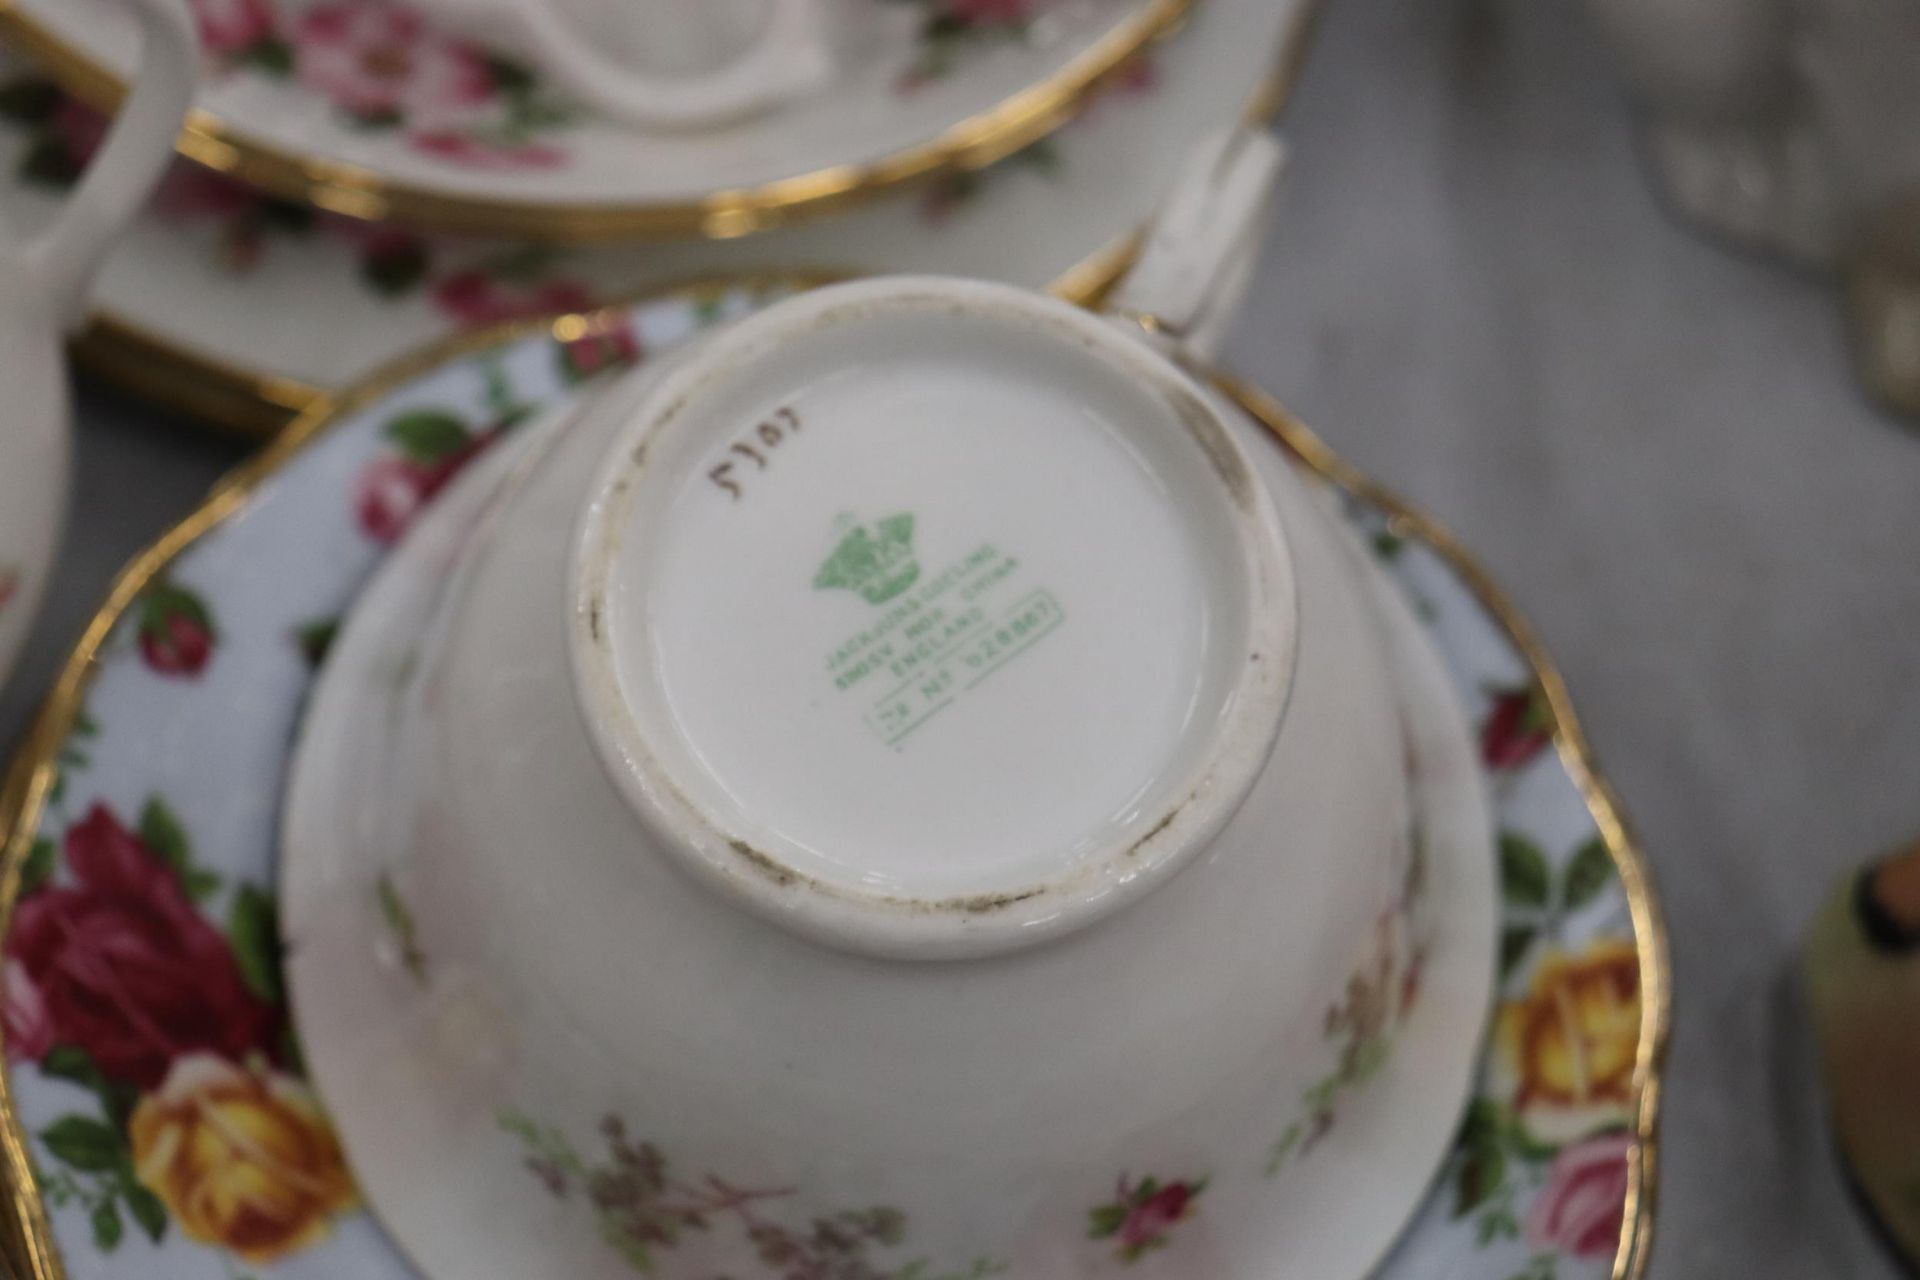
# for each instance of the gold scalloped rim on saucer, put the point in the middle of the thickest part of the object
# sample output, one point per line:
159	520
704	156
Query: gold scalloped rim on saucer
26	1238
357	192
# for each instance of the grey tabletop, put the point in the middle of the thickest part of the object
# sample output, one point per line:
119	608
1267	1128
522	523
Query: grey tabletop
1653	443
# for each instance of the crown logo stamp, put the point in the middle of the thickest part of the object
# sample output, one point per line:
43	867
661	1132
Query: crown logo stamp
876	560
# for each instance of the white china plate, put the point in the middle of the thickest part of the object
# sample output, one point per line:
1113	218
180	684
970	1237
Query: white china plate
365	107
160	759
228	306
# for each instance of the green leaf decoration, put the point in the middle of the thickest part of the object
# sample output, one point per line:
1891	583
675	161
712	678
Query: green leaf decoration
271	55
429	435
1587	875
397	268
73	1064
119	1097
287	216
254	930
1515	941
84	1143
509	76
106	1225
84	725
146	1208
42	857
1524	877
316	638
1105	1221
1388	545
399	918
160	831
1482	1169
1482	1173
29	101
164	601
1041	157
48	163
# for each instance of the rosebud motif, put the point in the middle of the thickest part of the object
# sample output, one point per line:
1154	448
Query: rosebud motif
176	631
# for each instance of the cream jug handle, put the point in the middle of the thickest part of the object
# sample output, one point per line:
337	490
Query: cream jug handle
63	259
1194	270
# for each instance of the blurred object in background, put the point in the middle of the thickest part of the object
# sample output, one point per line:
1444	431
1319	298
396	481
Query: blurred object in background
1863	980
1793	127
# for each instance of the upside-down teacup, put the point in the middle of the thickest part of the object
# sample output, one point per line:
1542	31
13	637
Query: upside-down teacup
891	791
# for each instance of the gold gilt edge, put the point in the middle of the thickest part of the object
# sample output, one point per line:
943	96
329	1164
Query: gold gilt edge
26	1238
356	192
1576	753
253	406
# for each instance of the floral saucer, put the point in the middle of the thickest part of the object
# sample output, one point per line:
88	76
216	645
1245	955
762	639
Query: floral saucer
193	305
367	109
157	1121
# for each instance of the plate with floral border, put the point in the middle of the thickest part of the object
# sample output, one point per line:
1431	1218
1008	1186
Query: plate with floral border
367	108
193	305
156	1119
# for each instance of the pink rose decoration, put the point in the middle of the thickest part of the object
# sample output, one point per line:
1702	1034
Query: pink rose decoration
391	492
381	61
476	299
1583	1208
232	26
469	152
123	966
23	1012
1143	1214
9	585
1149	1222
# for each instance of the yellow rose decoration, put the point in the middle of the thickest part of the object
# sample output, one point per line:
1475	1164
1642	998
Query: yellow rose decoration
243	1158
1564	1053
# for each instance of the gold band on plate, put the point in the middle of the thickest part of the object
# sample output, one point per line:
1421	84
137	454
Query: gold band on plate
26	1240
356	192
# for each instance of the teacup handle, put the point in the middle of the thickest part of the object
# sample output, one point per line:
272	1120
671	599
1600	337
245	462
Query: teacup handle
1193	272
63	260
790	57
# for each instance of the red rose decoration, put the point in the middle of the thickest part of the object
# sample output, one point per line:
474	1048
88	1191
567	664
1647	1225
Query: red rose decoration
430	448
123	965
176	631
1143	1215
607	342
1517	728
475	298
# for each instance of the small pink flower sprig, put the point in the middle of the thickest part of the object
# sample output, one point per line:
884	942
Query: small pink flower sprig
949	26
1143	1214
